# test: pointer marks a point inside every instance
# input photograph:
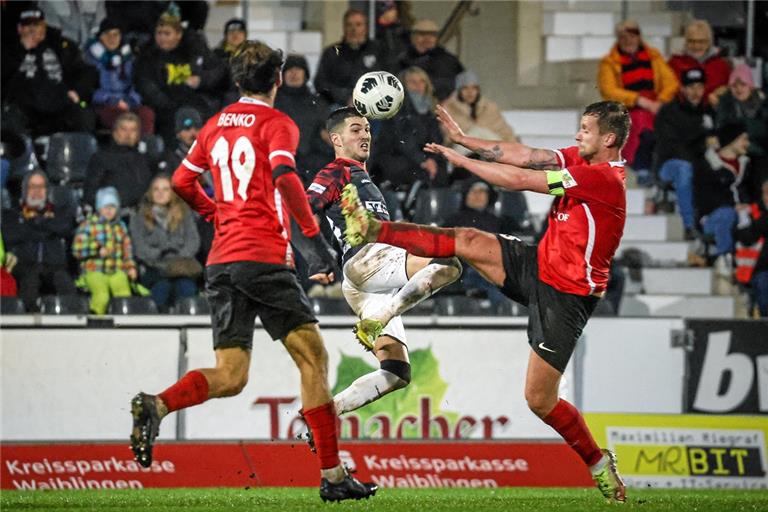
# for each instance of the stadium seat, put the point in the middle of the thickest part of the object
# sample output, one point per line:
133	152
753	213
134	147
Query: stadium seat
132	306
20	152
457	305
511	308
512	208
393	205
11	306
153	146
68	156
331	307
63	305
434	205
423	308
191	306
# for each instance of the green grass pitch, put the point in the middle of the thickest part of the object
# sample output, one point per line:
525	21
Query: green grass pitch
429	500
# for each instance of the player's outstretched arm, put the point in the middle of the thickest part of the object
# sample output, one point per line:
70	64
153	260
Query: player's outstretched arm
185	184
512	153
506	176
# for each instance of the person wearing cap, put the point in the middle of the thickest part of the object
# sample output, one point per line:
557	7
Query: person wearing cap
120	165
187	124
342	63
46	84
235	34
683	127
701	53
309	111
721	181
744	102
424	52
476	114
103	247
116	93
636	75
37	231
177	69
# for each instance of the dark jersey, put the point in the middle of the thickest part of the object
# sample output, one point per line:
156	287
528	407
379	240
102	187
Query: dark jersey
324	195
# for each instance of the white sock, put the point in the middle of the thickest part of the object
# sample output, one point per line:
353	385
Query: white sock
334	475
366	389
598	467
422	285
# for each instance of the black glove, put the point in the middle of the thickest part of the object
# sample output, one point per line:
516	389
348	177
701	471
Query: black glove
322	259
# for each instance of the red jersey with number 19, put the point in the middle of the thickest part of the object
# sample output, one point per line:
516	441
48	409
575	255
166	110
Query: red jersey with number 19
585	225
241	146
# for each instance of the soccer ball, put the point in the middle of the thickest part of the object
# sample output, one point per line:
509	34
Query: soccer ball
378	95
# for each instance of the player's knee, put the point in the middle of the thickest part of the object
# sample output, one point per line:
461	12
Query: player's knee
234	384
401	369
540	403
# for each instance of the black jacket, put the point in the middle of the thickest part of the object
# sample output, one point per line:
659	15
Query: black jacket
681	130
122	167
309	112
46	90
41	239
441	66
716	185
341	65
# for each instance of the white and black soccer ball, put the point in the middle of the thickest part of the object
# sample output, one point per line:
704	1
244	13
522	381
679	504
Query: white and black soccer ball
378	95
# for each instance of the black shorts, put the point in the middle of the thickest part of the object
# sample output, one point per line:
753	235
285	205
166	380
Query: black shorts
555	319
239	291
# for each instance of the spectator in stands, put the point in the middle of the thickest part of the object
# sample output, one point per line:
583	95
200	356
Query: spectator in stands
309	111
78	20
683	127
342	63
701	53
754	231
187	124
235	33
137	19
176	70
46	84
746	103
718	179
636	74
398	156
37	232
120	165
116	93
476	115
165	242
393	18
424	52
8	261
103	248
476	213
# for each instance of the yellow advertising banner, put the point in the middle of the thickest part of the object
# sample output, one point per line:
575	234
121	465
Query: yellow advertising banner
688	451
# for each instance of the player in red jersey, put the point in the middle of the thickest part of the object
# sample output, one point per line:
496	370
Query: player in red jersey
249	148
561	280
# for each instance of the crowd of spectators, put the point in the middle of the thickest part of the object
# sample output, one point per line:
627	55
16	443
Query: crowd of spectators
142	78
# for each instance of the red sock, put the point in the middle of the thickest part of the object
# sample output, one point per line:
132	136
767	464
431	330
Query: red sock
569	423
322	422
425	241
191	389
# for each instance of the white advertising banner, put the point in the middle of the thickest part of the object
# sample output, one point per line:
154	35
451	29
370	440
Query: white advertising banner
465	384
76	384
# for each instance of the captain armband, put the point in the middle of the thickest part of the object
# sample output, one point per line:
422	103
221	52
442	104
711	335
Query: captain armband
558	181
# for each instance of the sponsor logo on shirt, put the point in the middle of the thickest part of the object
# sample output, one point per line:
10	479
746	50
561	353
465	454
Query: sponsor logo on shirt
376	207
563	217
568	180
316	187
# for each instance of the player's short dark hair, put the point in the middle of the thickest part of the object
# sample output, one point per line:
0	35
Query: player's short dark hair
338	116
612	117
256	67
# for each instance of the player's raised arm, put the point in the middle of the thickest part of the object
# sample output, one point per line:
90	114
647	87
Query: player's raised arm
186	185
503	152
507	176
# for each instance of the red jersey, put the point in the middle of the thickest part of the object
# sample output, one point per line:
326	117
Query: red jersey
585	225
241	146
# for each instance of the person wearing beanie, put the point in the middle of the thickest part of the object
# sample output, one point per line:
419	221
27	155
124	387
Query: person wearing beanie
116	93
683	127
187	124
37	232
746	103
425	52
720	183
701	53
477	115
103	247
235	34
309	111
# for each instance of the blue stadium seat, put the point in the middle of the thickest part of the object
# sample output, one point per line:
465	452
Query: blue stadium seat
20	152
132	306
434	205
63	305
153	146
331	307
457	305
68	156
191	306
11	306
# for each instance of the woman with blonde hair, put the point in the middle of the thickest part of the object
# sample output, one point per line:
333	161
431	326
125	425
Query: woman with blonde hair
165	241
